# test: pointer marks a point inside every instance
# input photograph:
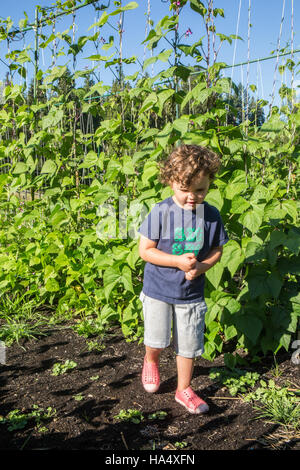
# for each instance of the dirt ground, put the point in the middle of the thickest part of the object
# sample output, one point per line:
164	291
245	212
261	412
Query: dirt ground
87	398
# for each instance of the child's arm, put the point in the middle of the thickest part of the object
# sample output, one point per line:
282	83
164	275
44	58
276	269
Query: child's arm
202	266
149	252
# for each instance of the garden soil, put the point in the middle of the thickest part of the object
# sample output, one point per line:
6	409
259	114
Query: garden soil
88	398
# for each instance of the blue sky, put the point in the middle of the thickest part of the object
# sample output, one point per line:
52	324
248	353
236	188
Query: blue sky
265	19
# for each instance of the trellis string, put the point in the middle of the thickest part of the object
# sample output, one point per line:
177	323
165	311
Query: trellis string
277	57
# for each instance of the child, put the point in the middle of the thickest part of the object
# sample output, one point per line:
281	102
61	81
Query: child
181	238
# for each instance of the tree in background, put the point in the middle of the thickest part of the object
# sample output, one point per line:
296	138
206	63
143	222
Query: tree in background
237	103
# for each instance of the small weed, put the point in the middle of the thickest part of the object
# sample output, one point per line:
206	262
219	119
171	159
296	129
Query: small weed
16	329
277	404
19	320
18	420
181	445
78	397
88	327
42	429
94	346
59	368
94	377
275	371
135	416
236	380
158	415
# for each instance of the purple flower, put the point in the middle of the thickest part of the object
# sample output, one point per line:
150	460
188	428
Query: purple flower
188	32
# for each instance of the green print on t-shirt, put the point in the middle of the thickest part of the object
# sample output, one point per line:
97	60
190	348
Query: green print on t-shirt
188	236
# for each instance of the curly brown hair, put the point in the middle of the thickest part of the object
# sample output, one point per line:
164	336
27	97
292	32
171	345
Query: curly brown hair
186	162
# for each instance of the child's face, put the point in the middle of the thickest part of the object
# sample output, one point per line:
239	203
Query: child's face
188	198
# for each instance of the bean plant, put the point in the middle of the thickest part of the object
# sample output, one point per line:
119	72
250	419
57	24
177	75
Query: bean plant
72	245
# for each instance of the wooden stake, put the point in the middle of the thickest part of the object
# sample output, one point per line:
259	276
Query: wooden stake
225	398
123	439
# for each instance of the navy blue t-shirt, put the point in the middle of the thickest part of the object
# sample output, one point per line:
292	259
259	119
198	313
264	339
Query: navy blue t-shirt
177	231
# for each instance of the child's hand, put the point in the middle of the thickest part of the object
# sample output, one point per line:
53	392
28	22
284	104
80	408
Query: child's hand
186	262
195	272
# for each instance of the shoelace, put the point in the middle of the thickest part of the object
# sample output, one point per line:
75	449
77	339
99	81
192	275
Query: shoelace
192	398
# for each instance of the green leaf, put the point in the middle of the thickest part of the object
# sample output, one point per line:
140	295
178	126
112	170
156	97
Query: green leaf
129	6
239	205
163	136
99	57
232	256
149	102
198	7
101	22
250	325
289	265
59	218
214	274
91	159
262	282
293	240
209	350
290	208
212	313
128	167
53	118
163	96
234	189
52	285
230	332
111	277
229	360
49	167
127	278
181	124
20	167
277	238
108	45
285	340
150	170
273	210
260	193
252	219
214	197
274	284
149	61
164	55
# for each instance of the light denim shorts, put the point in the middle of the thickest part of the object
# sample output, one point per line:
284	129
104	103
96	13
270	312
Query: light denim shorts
185	321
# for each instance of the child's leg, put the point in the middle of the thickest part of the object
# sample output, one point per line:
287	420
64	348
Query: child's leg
152	354
157	334
188	341
185	368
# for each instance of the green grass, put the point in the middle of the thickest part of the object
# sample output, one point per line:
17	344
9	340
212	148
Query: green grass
276	404
20	319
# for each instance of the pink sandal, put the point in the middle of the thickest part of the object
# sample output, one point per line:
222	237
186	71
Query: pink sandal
191	401
150	376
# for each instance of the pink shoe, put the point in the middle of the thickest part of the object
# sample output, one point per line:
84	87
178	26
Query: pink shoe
191	401
150	376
